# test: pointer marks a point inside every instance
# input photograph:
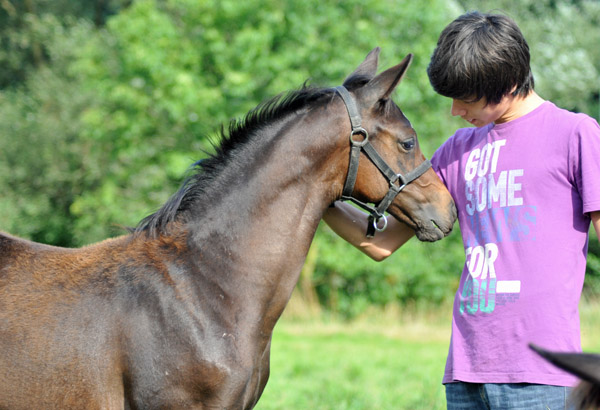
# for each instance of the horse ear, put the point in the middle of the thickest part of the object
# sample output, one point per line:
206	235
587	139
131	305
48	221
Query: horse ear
366	70
382	86
586	366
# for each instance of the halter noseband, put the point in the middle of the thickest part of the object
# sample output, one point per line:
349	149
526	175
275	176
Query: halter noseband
397	181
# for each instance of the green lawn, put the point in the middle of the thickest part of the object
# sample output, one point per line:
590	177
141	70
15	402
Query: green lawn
356	366
368	364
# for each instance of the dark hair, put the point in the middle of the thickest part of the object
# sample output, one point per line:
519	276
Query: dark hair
481	56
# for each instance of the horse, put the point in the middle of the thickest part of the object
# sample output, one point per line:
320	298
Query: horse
586	366
179	311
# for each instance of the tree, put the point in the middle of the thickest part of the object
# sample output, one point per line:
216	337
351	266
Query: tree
105	104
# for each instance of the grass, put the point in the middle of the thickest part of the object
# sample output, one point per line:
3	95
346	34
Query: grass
381	361
372	363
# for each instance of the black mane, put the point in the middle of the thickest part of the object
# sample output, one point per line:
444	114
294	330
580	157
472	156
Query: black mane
241	132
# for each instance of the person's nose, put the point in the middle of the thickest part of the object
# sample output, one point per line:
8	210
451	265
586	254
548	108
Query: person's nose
458	109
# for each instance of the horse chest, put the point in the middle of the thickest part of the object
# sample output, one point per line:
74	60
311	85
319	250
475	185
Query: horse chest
224	383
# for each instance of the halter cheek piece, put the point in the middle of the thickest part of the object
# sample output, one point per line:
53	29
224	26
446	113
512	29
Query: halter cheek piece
397	181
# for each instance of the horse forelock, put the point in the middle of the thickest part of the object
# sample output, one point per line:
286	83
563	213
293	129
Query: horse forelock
241	132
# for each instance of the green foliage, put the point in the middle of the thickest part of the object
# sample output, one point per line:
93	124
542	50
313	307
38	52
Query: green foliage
105	104
417	274
592	273
26	25
43	162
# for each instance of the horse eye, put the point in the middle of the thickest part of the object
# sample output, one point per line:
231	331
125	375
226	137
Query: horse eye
408	144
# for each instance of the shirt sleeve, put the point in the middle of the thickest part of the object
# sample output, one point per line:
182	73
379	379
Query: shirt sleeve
585	160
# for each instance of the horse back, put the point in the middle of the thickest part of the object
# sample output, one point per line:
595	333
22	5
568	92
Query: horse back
102	320
48	283
57	347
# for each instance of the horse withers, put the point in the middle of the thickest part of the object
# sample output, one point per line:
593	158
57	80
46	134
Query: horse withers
179	313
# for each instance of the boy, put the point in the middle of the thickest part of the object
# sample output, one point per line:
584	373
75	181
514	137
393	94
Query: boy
526	182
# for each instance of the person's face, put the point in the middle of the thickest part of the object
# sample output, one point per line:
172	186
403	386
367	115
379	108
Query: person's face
480	113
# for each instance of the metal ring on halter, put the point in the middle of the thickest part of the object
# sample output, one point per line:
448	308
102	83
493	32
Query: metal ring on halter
363	132
376	221
401	187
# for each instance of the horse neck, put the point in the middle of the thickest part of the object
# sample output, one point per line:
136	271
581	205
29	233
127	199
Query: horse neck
259	228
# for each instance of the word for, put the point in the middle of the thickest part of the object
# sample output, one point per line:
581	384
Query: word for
480	260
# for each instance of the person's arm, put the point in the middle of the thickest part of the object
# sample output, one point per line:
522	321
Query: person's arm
596	222
350	224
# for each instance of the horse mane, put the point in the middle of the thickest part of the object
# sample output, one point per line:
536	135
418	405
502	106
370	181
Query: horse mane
241	132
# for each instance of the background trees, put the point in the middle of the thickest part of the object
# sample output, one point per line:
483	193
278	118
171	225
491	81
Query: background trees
104	104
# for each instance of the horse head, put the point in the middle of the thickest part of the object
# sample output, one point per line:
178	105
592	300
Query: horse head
411	190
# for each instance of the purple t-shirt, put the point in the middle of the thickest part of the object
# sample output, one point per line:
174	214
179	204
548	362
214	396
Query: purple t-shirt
522	190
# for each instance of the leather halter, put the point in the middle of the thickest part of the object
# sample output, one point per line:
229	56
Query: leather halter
397	181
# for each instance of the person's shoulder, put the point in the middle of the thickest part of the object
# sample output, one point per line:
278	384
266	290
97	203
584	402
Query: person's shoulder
562	114
564	122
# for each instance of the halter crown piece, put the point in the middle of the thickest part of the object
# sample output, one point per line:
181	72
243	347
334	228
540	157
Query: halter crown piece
397	181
